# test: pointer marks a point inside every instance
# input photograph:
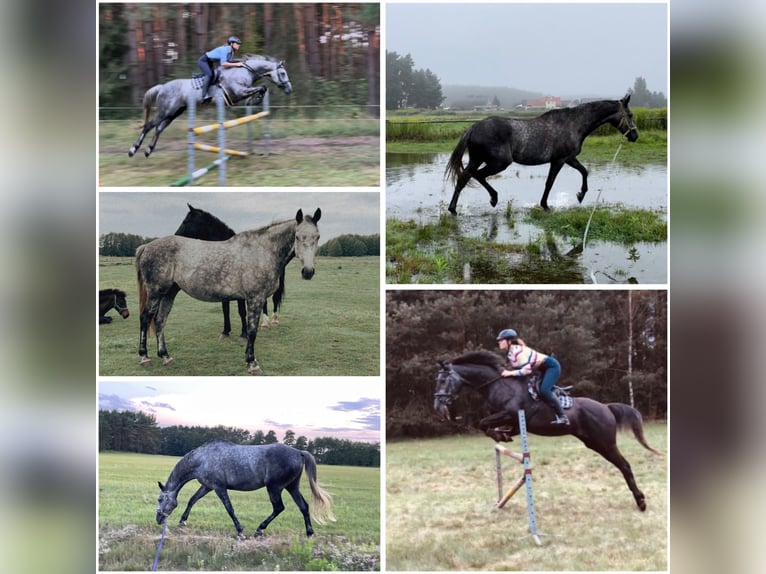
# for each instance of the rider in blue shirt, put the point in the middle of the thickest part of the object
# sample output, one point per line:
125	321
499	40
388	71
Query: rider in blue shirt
222	56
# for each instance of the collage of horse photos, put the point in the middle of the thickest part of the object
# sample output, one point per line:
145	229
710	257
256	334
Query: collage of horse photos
382	286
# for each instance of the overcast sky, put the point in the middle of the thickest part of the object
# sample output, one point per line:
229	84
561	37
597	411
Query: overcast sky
157	213
345	408
564	50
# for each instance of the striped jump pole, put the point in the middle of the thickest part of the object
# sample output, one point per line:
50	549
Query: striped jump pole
196	174
215	148
525	480
228	123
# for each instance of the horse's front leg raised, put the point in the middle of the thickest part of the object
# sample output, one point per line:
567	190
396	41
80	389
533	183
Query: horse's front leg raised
256	93
584	172
500	427
254	307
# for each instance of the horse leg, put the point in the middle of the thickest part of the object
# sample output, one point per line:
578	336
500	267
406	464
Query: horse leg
163	310
242	308
612	454
584	172
224	496
461	182
302	505
225	307
265	324
481	175
277	506
552	173
148	314
203	490
500	426
104	319
165	122
253	317
144	130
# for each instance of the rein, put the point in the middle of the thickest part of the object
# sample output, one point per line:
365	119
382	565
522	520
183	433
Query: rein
474	387
157	557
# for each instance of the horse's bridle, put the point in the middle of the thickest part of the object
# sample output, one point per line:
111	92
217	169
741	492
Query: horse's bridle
257	76
449	397
625	121
116	306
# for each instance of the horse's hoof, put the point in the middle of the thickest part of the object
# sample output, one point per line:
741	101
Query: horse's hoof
146	153
131	152
493	201
168	361
254	367
580	197
257	533
145	361
452	210
223	337
241	536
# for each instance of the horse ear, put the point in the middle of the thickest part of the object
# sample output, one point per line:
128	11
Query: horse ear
317	215
626	99
299	216
162	487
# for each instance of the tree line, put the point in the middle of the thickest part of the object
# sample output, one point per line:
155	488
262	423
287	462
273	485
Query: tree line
612	346
331	51
349	245
138	432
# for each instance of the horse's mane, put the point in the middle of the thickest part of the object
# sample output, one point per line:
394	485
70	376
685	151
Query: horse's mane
110	291
207	217
596	104
480	358
245	57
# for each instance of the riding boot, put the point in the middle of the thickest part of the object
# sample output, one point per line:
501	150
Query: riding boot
561	418
205	96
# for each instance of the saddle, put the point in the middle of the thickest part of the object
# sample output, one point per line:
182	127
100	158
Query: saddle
198	80
561	393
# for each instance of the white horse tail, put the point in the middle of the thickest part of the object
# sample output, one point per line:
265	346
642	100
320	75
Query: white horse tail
149	98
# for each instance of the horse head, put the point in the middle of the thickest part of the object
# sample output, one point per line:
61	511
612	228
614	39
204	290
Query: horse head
448	385
166	503
625	122
272	69
307	241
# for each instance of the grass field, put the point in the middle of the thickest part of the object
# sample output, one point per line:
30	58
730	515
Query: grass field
440	514
129	535
329	325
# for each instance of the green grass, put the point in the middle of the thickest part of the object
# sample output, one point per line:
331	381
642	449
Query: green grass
323	152
129	535
440	514
329	325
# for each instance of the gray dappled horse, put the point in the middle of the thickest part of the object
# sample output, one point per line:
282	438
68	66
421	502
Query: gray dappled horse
246	266
594	423
237	84
554	137
220	465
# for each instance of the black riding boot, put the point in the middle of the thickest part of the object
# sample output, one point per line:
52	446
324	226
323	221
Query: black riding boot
561	418
205	96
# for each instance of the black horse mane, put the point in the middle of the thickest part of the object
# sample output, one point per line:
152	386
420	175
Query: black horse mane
596	104
110	291
480	358
201	217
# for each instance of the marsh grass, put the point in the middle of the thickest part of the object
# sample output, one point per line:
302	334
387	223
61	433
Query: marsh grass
335	315
440	514
129	535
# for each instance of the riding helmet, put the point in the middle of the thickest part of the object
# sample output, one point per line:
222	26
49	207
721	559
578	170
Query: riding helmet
507	334
233	39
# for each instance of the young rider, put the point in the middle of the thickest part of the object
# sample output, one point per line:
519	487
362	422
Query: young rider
222	56
524	360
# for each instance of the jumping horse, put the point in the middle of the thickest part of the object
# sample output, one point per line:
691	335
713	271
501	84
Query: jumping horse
237	85
554	137
246	266
109	299
200	224
221	466
594	423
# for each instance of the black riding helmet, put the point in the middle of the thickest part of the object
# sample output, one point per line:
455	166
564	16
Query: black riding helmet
506	334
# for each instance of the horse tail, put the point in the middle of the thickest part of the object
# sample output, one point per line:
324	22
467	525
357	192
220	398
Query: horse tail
455	167
629	418
276	298
143	294
149	98
322	498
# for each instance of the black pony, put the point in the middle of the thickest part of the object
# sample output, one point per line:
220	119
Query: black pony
199	224
594	423
109	299
555	137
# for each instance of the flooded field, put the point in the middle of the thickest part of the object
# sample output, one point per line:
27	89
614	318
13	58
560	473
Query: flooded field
416	191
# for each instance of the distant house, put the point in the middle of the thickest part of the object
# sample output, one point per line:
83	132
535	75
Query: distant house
546	102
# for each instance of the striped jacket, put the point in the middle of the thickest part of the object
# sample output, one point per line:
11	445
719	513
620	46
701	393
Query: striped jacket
524	360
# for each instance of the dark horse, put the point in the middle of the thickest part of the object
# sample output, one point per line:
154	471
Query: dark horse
237	85
109	299
555	137
594	423
220	465
200	224
247	266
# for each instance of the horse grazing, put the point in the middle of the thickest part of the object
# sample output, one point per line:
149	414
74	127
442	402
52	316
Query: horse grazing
220	465
200	224
109	299
246	266
555	137
237	84
594	423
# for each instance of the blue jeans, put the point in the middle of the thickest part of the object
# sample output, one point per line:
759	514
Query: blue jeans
204	65
551	373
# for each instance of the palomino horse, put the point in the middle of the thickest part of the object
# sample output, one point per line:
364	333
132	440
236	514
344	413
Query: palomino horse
247	266
237	85
221	465
555	137
109	299
594	423
200	224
